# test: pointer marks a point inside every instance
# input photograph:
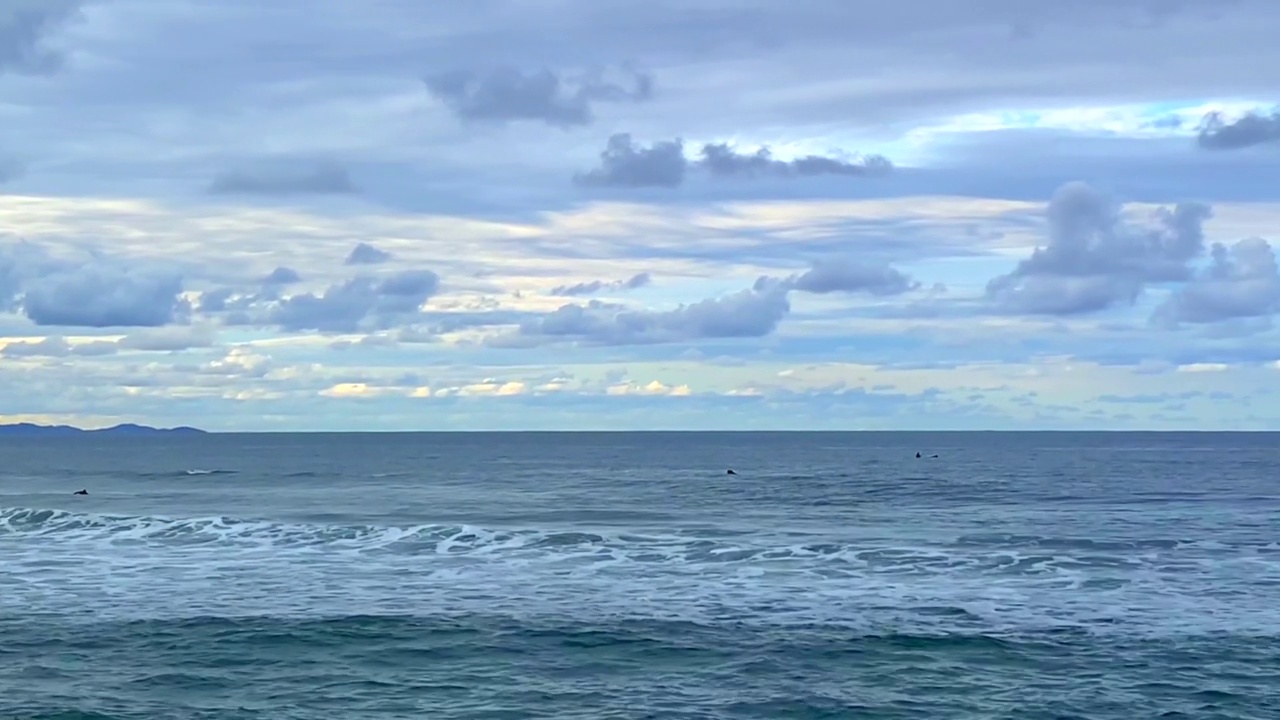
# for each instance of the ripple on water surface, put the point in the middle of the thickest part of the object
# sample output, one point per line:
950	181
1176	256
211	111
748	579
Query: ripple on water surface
1104	584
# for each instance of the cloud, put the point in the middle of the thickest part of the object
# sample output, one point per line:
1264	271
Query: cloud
848	276
1242	281
720	160
1095	260
368	341
625	164
505	94
283	276
164	339
357	303
1253	128
448	134
23	27
239	361
105	296
484	388
81	286
318	179
749	313
221	300
169	339
366	254
20	263
353	390
653	387
638	280
56	346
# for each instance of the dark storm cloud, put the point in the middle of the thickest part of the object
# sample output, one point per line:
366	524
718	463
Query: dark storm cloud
638	280
1252	129
624	163
366	254
1094	260
319	179
506	94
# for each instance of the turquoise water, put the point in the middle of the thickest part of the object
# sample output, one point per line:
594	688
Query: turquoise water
628	576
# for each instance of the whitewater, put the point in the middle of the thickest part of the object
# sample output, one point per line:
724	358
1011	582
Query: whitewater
628	575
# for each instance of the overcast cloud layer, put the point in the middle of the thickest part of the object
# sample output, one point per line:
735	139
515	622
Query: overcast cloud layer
318	214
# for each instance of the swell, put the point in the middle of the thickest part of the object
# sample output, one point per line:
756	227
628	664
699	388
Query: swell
196	646
67	715
28	635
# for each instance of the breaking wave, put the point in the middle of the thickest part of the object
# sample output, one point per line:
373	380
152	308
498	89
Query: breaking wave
1023	554
162	566
697	546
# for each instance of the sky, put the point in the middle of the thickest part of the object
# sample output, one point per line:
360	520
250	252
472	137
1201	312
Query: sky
626	215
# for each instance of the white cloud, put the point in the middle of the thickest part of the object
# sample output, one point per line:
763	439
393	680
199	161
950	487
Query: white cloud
653	387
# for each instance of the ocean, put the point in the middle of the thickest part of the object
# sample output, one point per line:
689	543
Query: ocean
628	575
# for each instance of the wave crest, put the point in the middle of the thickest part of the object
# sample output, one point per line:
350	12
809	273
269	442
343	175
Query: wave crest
226	530
444	539
825	556
673	547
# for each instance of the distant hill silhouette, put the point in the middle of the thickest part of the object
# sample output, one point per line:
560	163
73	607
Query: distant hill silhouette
123	430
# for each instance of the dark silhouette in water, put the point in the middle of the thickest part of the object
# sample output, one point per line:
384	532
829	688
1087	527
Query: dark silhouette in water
730	472
80	492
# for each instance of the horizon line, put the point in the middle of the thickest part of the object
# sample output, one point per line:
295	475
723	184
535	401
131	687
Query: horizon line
168	431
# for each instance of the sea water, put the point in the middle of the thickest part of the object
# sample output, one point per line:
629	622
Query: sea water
629	575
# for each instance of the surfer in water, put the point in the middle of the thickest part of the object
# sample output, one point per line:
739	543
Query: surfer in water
81	492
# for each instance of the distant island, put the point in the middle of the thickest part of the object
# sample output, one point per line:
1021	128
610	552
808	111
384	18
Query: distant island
125	429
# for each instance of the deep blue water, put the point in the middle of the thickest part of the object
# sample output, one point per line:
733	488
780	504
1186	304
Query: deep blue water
1038	575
